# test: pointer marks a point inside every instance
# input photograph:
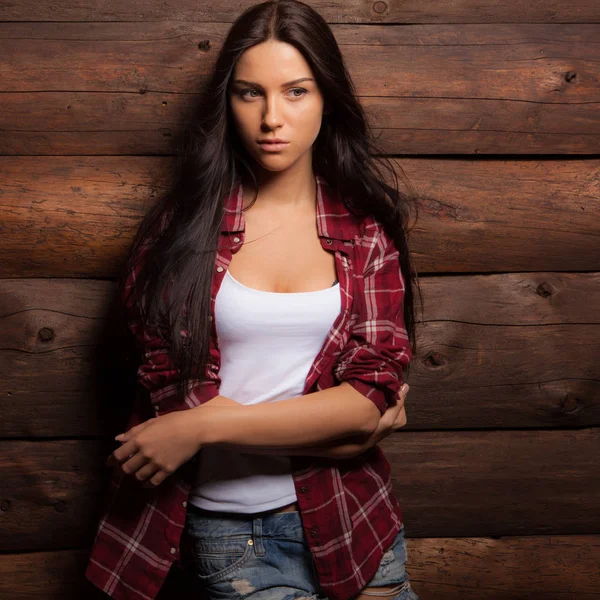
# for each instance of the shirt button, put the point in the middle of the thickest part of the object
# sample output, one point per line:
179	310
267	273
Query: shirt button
219	269
236	239
328	241
184	504
303	489
156	407
210	318
173	550
313	533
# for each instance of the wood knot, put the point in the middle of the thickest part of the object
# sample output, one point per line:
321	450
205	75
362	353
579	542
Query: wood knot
380	7
569	403
544	290
570	76
204	45
46	334
5	505
434	359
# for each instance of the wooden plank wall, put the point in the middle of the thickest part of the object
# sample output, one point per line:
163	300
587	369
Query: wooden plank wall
493	111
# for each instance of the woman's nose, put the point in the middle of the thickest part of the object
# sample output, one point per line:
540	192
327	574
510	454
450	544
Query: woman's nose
272	116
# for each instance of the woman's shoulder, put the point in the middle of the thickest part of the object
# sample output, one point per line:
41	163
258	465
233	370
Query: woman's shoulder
372	235
374	247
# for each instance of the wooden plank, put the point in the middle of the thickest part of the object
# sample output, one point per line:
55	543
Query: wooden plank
520	63
410	80
449	484
495	483
509	568
511	350
67	362
407	11
51	492
75	217
60	574
89	123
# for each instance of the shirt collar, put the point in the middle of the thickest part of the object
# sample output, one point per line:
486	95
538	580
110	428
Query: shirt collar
333	218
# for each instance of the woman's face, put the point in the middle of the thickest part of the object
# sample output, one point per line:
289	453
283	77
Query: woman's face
268	101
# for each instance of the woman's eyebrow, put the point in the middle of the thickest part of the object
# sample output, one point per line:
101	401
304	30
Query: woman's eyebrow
294	82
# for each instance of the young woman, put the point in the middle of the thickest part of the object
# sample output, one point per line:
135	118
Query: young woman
270	294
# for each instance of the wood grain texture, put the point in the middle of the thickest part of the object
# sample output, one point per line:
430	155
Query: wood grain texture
511	567
520	62
115	123
442	89
504	409
60	574
464	483
76	217
363	11
514	350
554	567
481	483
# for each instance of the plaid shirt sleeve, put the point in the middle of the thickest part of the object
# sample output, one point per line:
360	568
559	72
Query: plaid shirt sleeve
378	350
158	372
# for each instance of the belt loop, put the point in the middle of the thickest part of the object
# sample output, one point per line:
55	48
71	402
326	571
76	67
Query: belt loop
259	548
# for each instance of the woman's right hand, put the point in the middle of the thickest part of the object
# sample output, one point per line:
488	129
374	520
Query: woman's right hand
394	417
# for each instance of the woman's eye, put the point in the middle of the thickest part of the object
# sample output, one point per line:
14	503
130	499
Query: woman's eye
244	93
299	90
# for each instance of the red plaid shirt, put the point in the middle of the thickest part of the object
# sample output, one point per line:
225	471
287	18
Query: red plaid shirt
349	512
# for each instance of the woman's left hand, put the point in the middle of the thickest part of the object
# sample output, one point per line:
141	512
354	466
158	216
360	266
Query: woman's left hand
154	449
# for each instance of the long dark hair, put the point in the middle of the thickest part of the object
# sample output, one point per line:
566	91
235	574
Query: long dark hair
181	231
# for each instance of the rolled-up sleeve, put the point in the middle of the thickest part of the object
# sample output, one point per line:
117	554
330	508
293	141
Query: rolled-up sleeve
157	371
377	353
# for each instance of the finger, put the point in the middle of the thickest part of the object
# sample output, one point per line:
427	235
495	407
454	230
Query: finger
127	435
124	437
400	420
123	453
403	390
146	472
387	420
156	480
400	395
133	463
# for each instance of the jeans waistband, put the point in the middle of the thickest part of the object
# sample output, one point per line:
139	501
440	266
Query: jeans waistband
210	524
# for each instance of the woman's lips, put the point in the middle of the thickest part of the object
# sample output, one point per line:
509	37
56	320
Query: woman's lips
273	147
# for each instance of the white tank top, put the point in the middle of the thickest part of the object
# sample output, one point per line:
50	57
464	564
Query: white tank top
268	342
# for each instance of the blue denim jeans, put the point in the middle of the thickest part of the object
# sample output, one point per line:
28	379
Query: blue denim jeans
235	557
